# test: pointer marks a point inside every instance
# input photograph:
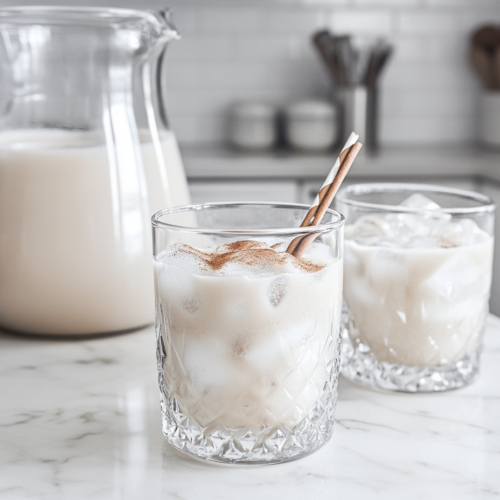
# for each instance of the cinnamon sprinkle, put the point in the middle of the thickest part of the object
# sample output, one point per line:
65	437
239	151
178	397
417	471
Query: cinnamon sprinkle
249	253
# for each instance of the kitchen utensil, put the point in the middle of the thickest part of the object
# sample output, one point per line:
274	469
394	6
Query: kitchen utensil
489	124
485	43
485	59
349	64
482	64
355	71
359	105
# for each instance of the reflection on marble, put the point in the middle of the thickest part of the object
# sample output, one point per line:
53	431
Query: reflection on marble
80	419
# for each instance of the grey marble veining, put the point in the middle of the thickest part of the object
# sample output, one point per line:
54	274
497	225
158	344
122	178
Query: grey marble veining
80	419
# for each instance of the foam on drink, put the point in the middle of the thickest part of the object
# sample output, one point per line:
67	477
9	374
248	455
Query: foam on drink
417	284
247	327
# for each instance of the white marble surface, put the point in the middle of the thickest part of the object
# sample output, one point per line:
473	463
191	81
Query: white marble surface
80	419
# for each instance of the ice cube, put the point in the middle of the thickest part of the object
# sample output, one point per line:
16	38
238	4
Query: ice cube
425	222
190	304
180	285
457	277
263	354
409	225
395	243
418	200
359	292
424	242
207	364
277	290
288	341
352	262
460	233
388	265
297	334
319	251
369	230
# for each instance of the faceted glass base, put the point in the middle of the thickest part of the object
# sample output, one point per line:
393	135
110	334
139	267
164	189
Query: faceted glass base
268	446
360	365
242	446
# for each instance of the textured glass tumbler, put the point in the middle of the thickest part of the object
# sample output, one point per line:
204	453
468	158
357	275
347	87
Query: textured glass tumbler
248	357
417	276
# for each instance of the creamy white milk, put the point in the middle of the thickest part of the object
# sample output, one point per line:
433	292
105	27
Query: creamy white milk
75	237
417	286
249	344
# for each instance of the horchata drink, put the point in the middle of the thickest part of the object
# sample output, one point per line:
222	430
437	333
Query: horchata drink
248	334
75	239
418	263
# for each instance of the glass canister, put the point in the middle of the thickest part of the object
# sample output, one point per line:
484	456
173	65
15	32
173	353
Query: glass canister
86	156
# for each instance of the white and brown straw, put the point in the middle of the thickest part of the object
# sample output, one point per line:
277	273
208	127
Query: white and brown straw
326	194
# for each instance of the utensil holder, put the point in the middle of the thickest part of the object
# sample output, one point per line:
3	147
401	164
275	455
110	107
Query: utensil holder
359	111
489	122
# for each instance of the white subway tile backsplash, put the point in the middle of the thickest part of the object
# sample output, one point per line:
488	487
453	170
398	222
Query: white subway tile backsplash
231	20
361	21
211	128
387	3
470	19
431	104
260	49
185	127
429	76
472	4
304	76
410	49
182	75
235	74
428	23
195	48
294	21
408	130
267	48
319	3
423	50
185	20
451	49
194	102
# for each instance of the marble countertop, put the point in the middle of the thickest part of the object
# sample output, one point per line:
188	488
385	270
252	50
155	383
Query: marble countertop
80	419
407	162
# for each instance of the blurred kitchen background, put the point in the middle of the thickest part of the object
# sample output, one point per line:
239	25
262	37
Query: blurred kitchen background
430	96
261	49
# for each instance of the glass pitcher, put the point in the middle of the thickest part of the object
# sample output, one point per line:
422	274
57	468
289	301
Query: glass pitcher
86	157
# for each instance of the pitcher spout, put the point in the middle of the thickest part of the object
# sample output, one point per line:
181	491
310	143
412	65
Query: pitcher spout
165	17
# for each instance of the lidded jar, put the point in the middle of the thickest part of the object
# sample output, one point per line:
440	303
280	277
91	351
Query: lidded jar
253	125
311	125
86	157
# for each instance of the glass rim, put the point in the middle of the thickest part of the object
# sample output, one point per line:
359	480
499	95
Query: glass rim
485	203
20	13
320	228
